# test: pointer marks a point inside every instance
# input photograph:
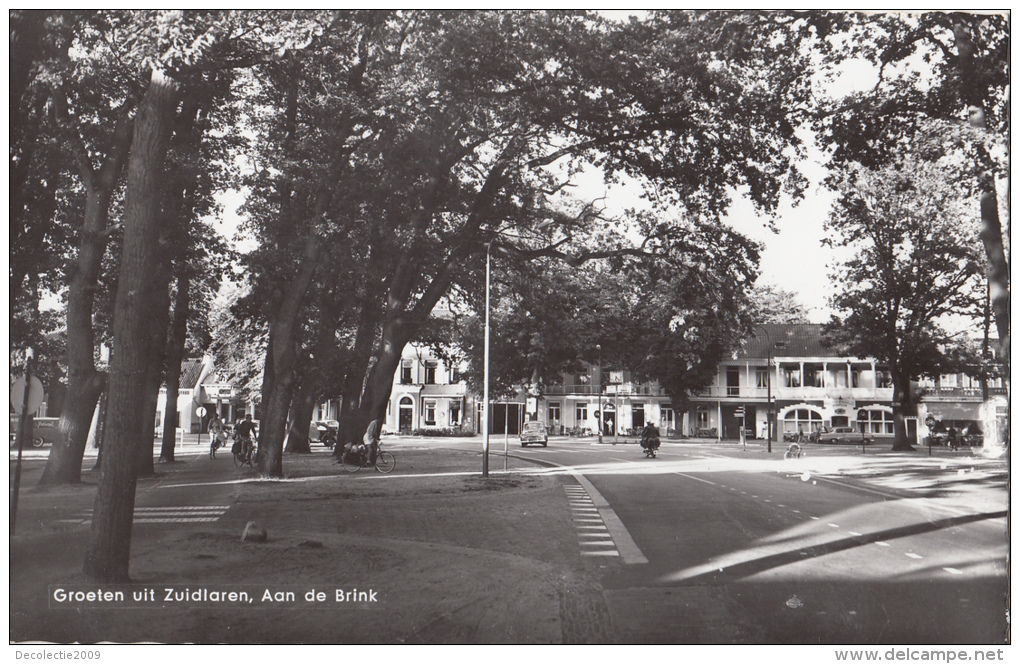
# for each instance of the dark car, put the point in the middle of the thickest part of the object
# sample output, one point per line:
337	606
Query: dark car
534	433
45	431
842	435
325	431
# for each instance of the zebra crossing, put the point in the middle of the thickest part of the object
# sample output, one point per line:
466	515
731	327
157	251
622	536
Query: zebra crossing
592	534
177	514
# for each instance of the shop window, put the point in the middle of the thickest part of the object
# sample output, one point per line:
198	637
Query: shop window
802	420
875	421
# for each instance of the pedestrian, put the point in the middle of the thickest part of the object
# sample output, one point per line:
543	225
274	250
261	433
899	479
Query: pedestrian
954	443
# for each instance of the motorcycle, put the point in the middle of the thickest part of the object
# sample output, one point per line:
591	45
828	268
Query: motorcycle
650	443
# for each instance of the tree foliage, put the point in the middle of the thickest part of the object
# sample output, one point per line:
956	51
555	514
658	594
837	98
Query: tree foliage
916	263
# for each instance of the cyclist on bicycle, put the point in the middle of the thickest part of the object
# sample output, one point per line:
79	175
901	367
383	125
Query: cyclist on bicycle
245	433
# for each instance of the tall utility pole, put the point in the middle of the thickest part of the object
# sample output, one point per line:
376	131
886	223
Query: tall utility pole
598	347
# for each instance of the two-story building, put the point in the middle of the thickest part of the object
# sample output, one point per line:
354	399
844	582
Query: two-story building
576	402
810	385
428	393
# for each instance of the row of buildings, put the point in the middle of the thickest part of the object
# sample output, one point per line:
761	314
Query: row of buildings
788	365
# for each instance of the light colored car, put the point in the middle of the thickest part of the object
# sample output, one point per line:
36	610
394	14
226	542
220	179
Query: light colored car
534	433
839	435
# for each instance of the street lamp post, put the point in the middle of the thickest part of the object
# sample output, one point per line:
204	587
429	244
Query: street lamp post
598	347
768	393
485	390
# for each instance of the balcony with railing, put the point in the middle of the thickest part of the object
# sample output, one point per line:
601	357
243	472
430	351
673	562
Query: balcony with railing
624	390
793	393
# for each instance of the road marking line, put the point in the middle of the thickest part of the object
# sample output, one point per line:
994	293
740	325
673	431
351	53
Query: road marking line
913	555
883	543
855	533
692	477
628	550
600	553
952	570
596	543
834	525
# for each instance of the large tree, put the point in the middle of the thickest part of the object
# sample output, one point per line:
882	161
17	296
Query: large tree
941	72
916	261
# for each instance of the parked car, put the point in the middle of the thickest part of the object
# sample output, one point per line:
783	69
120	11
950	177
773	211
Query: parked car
534	433
45	431
325	431
844	435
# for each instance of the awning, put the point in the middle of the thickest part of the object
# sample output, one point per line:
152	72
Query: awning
954	410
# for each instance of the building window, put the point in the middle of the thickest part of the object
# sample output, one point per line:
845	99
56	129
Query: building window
430	372
454	374
802	420
702	419
454	413
732	381
405	372
883	378
875	421
761	378
581	413
813	376
554	411
430	412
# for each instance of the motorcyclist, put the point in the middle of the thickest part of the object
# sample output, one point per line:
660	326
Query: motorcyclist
650	437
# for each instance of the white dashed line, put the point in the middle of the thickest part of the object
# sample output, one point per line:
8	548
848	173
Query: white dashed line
913	555
952	570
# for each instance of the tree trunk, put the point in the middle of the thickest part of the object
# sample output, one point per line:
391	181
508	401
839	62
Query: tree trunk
145	465
174	357
972	94
300	421
281	360
903	405
141	293
351	424
84	382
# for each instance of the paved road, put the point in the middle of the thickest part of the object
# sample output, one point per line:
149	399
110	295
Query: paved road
769	553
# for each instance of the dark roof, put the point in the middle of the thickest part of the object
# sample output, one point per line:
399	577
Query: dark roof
190	371
788	340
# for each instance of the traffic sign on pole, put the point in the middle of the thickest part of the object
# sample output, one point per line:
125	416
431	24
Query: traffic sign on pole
31	398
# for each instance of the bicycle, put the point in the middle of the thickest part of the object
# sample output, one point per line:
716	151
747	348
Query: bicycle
244	452
356	458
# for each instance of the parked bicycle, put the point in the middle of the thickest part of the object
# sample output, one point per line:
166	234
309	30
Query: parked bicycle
357	457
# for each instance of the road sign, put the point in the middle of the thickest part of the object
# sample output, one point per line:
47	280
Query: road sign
200	411
740	411
35	395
